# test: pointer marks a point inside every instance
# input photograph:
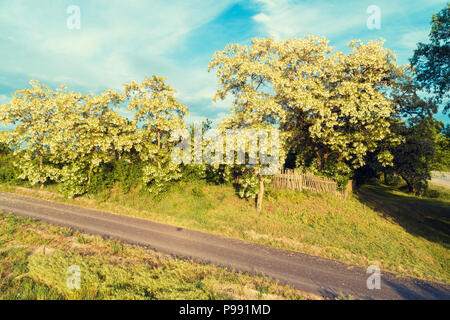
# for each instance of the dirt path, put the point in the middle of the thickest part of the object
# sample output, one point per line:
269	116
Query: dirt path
325	277
441	179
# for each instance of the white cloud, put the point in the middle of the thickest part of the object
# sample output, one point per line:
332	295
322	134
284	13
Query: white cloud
410	39
289	18
121	41
118	41
4	98
202	91
286	19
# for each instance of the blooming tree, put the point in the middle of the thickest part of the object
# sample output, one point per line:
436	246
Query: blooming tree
332	108
157	115
33	111
91	133
247	73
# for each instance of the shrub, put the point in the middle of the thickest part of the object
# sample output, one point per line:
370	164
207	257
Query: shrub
128	173
193	172
9	173
73	180
101	179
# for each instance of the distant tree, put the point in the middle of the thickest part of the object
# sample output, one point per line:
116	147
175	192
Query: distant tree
441	161
432	60
407	98
413	113
414	157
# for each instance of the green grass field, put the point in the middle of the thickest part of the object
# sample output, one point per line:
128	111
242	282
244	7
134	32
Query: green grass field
379	225
34	258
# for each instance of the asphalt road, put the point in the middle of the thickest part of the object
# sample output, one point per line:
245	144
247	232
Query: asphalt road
320	276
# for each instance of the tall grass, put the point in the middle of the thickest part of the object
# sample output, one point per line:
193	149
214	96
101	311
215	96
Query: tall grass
111	269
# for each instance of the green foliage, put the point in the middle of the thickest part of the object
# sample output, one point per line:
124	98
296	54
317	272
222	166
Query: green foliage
248	186
158	179
392	180
82	143
101	179
73	180
76	182
413	158
431	59
340	171
9	173
128	173
419	150
193	172
441	160
219	174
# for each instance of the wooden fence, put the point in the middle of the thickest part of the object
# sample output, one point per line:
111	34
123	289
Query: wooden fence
297	180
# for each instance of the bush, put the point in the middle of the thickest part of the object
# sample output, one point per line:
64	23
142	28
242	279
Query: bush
218	174
73	180
393	180
193	172
101	179
9	173
159	179
128	173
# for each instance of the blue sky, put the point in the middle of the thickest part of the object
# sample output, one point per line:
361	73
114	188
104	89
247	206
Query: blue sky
121	41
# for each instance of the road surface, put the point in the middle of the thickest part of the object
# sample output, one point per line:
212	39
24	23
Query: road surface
440	178
316	275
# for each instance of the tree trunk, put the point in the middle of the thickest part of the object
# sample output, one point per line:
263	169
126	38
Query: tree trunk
317	153
89	175
41	167
260	193
158	137
410	185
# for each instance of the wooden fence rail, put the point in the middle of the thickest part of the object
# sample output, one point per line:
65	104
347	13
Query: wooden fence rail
296	180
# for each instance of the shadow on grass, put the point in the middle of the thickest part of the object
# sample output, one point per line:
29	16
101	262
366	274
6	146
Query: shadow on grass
418	290
423	217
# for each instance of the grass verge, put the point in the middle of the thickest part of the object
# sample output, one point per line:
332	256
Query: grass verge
380	225
35	257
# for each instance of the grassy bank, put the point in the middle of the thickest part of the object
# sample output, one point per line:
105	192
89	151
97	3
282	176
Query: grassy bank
383	226
35	257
